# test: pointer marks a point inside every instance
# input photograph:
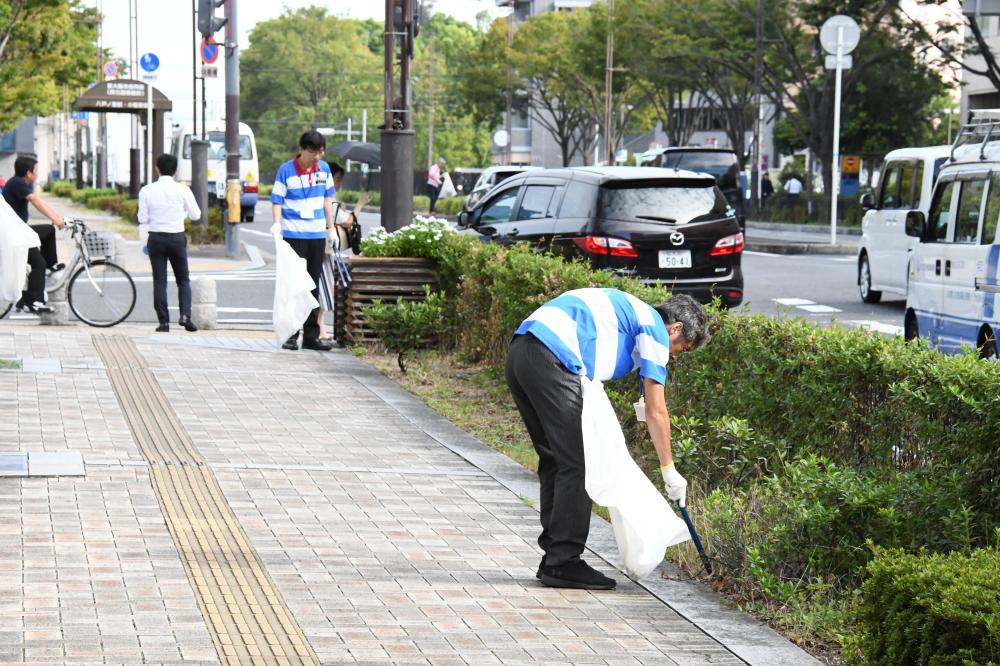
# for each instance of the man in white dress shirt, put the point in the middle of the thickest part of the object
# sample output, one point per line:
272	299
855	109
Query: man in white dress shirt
163	205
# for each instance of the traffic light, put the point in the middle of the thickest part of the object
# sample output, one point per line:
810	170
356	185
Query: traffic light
208	22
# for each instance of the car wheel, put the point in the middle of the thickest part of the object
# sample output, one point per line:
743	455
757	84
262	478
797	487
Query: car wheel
911	330
868	295
988	350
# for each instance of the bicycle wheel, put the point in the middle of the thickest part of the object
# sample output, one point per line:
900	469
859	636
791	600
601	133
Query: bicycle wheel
102	295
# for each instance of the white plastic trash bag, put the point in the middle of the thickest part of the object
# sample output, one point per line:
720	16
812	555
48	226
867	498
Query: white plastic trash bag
644	524
16	238
293	299
447	187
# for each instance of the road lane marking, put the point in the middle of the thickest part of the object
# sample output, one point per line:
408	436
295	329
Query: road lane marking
793	301
877	326
818	309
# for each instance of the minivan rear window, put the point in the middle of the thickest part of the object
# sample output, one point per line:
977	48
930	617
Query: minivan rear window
669	203
217	146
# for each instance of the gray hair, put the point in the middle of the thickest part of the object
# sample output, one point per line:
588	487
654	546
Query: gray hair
684	309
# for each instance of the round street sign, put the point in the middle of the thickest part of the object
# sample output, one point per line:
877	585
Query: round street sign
110	69
847	29
149	62
209	51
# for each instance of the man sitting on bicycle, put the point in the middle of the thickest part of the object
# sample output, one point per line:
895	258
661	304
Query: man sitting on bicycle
18	192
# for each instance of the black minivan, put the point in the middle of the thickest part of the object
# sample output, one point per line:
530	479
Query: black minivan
649	223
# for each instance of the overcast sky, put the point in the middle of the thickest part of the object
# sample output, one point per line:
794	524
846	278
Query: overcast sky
165	28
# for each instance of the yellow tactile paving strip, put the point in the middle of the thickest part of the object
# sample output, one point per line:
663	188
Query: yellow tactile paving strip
244	612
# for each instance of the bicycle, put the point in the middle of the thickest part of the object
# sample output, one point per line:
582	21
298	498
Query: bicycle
100	293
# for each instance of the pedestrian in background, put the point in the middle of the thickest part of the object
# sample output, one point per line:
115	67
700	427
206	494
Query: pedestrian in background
793	187
336	243
302	203
434	179
19	191
603	334
766	186
163	205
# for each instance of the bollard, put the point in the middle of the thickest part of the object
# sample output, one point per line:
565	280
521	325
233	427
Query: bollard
203	297
60	307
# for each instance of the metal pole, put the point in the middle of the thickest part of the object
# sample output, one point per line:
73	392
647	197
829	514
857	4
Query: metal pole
835	185
390	9
350	136
757	74
432	71
149	130
233	188
609	64
194	72
510	85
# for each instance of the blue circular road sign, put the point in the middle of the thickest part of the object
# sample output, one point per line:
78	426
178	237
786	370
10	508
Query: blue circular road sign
209	51
149	62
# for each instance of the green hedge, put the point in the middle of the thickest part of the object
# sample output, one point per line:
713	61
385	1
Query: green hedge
449	206
802	444
88	193
931	609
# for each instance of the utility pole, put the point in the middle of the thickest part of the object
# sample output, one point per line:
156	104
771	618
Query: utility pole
233	187
397	132
510	84
758	110
609	65
134	152
430	110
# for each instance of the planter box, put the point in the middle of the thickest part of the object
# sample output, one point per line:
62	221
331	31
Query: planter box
385	278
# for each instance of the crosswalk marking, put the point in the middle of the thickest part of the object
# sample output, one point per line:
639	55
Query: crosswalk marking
877	326
805	304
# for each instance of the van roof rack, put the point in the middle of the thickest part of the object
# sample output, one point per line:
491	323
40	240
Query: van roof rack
983	126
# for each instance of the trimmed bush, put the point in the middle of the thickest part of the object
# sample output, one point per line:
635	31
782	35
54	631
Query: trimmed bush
449	206
930	609
86	194
109	202
421	203
404	326
264	191
129	210
60	188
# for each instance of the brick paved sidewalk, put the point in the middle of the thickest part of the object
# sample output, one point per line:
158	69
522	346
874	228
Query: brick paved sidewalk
384	533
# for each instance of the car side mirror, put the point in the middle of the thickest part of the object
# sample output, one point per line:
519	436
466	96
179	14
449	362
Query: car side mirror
868	201
463	219
916	224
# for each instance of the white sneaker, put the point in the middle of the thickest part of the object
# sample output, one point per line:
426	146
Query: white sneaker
39	308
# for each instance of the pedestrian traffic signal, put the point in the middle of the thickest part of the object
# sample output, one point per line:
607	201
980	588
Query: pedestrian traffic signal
208	22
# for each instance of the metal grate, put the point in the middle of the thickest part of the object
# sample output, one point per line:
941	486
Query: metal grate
99	244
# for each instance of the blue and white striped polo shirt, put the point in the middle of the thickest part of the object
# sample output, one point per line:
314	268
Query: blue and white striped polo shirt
300	193
603	333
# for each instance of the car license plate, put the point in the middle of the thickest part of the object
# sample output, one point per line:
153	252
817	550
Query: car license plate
675	258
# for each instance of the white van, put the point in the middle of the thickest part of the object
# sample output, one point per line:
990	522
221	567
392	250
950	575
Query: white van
180	147
906	183
954	284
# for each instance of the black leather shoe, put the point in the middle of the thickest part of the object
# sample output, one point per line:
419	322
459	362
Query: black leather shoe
577	575
291	344
188	324
20	305
541	565
163	328
317	345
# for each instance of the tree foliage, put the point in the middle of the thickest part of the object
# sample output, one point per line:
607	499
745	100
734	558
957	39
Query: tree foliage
286	89
44	45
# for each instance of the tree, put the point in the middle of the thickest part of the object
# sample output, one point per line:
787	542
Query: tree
286	89
441	50
44	45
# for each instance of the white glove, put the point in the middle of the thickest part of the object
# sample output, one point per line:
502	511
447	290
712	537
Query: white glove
675	484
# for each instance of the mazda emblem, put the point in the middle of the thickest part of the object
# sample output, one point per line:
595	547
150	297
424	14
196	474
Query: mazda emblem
677	238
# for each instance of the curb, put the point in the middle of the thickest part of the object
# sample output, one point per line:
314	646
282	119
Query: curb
780	247
802	228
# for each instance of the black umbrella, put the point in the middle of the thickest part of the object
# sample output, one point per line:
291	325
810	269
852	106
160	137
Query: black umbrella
356	151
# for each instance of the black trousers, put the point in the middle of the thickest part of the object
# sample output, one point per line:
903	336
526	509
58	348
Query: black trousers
164	247
47	234
313	250
550	399
40	258
433	193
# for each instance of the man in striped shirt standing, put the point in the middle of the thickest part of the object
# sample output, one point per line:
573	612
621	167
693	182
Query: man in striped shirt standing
302	203
602	334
